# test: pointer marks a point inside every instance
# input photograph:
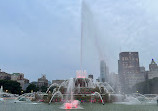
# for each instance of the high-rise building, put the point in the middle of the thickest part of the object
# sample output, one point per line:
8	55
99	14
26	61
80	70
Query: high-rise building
153	70
128	63
42	81
104	71
129	70
153	66
19	77
4	76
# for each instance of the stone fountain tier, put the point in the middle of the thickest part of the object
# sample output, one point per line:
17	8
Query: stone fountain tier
82	89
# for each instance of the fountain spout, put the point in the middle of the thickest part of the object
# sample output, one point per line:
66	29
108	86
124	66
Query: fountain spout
98	94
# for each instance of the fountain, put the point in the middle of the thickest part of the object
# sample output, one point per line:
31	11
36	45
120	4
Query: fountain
26	97
54	94
70	103
98	94
1	91
80	89
55	84
131	100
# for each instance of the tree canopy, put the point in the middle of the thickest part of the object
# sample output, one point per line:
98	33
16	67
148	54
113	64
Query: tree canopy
43	89
148	87
11	86
32	87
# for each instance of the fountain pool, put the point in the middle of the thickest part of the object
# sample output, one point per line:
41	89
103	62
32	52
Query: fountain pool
11	106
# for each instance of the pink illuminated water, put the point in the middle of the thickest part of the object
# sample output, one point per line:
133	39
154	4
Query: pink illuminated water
72	105
81	74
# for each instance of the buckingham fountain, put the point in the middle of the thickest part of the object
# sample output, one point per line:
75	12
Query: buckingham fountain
74	91
80	89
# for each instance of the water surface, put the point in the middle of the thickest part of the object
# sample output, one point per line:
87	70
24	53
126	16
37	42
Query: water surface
23	106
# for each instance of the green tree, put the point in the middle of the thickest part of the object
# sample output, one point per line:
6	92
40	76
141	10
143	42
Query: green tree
11	86
147	87
32	87
43	89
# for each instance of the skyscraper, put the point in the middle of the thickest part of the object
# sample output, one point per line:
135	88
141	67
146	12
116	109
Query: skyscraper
104	71
129	70
153	70
42	81
128	63
153	66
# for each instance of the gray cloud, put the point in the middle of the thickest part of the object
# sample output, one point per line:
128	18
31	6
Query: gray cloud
44	36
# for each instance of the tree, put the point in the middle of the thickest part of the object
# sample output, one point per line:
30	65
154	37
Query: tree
11	86
32	87
43	89
147	87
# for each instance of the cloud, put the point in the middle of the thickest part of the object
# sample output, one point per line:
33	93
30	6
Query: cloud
123	26
44	36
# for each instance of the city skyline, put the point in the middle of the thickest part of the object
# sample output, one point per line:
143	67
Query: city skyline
78	55
32	42
103	70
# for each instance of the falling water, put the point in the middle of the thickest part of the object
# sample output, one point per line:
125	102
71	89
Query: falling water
98	94
69	92
56	93
70	103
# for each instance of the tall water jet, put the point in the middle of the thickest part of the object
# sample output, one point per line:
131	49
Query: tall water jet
69	92
1	90
81	35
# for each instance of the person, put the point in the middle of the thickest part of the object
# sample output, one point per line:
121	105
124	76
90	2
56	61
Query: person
157	101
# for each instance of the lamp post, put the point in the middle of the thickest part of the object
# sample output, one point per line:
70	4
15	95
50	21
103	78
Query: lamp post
6	91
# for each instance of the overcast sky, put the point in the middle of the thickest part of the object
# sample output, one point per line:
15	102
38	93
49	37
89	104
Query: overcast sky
43	36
